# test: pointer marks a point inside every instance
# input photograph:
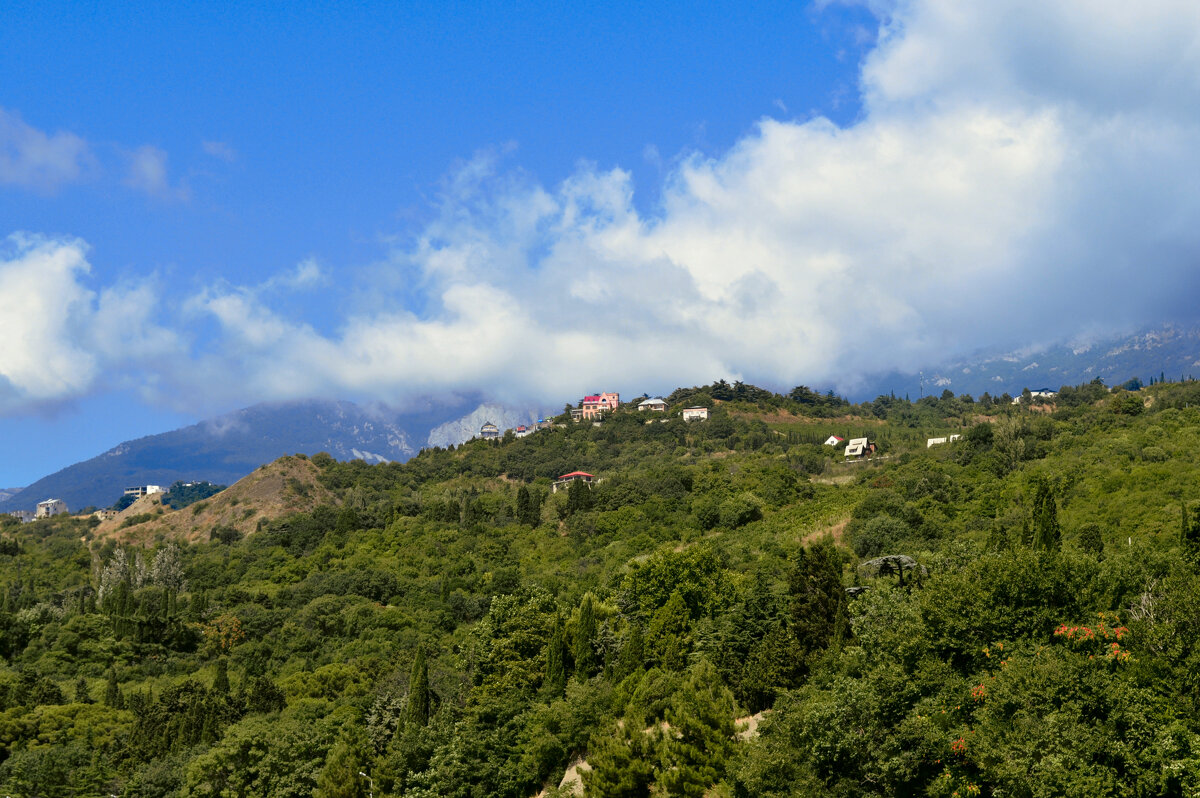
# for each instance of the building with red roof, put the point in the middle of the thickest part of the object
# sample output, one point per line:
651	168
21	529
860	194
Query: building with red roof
565	480
599	404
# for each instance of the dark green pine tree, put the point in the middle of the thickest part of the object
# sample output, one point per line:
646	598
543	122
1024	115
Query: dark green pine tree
112	692
1047	534
820	618
82	694
556	661
633	653
579	497
624	762
526	512
220	684
585	639
1191	535
667	636
776	663
341	777
1026	533
418	690
700	741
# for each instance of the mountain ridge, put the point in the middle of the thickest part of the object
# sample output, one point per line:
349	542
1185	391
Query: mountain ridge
225	448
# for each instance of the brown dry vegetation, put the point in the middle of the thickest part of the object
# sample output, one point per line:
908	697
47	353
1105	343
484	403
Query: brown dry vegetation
285	486
836	532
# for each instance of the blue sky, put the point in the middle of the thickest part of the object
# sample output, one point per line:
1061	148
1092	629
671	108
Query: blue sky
203	206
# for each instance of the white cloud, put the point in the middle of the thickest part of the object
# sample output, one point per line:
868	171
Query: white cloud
58	339
1016	175
147	171
307	274
1019	173
33	159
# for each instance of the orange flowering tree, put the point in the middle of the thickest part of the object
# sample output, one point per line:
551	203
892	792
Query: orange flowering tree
223	632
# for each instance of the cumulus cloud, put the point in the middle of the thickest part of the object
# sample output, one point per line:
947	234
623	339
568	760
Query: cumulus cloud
33	159
1019	173
58	338
1014	177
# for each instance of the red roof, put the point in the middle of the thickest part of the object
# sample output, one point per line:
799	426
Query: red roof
576	474
591	398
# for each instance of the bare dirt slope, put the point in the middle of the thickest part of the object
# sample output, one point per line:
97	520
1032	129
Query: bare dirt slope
285	486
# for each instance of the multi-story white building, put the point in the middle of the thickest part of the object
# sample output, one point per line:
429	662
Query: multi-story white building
50	507
138	491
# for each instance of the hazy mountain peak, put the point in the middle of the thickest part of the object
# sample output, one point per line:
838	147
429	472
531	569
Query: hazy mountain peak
463	429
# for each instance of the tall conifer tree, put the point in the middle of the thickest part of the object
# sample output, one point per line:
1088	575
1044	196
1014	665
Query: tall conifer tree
556	661
112	692
585	639
418	689
1047	534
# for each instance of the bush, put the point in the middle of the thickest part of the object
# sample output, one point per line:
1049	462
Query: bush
740	510
879	536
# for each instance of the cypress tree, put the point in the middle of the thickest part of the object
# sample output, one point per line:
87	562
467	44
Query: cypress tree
418	690
633	655
112	692
221	680
556	661
579	497
1047	534
820	617
585	639
524	511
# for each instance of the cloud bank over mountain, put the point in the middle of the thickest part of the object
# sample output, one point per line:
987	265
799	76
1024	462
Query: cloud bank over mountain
1020	172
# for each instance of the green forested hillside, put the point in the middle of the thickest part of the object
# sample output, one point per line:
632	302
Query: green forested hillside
450	626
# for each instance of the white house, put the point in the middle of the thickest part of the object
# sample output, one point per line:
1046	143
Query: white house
50	507
138	491
934	442
657	405
489	431
695	414
833	440
565	480
24	516
1040	393
859	447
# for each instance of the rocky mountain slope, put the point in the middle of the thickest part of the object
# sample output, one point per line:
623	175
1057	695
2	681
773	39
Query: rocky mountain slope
224	449
462	429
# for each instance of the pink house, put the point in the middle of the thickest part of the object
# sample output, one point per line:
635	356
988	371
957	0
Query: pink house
595	406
